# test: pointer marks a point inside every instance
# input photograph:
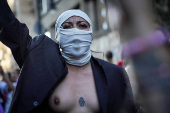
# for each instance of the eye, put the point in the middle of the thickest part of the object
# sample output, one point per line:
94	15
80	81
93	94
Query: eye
83	26
67	26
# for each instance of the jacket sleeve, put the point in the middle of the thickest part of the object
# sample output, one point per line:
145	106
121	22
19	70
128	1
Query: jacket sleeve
13	34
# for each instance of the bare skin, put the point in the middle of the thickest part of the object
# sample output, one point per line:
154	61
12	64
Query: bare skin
76	22
77	92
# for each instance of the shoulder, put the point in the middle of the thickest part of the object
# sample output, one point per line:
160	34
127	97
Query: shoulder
108	65
41	39
111	71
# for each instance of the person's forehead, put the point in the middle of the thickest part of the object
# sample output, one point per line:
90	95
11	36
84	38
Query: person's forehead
75	18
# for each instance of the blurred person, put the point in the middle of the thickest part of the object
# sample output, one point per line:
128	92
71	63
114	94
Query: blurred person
11	85
1	97
148	49
109	56
65	81
3	91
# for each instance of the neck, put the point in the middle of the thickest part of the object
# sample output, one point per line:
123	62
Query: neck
78	68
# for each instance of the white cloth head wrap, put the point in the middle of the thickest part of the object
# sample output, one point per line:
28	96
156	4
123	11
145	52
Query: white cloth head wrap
69	13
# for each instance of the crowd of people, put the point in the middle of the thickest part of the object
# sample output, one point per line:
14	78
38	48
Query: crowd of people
7	87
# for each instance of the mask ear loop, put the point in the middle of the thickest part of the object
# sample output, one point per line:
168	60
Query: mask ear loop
98	52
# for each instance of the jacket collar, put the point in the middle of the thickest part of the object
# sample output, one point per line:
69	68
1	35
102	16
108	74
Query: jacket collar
101	83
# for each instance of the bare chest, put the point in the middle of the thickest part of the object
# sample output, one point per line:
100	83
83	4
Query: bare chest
76	93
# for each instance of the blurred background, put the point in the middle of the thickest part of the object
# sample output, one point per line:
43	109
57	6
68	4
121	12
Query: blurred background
40	17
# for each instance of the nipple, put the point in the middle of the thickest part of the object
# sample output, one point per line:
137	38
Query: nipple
56	101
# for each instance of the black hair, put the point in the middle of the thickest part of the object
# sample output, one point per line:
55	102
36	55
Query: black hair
109	55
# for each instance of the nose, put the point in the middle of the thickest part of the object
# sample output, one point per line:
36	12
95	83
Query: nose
75	25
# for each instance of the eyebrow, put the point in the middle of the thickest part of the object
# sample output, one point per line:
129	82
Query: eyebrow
77	22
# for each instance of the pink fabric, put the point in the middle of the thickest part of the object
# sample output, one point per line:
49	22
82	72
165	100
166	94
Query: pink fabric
140	45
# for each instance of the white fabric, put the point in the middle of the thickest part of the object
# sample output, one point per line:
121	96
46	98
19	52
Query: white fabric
69	13
75	43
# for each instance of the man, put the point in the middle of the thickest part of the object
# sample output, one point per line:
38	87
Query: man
72	80
109	56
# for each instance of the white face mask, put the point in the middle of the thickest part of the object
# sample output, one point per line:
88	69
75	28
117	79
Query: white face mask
75	45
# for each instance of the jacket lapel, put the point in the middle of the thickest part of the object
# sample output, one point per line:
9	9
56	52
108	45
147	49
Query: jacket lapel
101	84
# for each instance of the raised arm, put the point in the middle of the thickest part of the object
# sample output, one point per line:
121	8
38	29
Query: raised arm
13	34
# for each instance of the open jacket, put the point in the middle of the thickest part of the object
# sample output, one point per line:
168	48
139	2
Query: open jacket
42	67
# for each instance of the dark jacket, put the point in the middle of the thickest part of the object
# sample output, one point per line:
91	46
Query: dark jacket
43	67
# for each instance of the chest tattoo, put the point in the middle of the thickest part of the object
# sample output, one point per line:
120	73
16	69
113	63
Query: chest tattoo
81	101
